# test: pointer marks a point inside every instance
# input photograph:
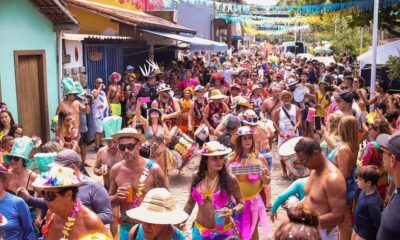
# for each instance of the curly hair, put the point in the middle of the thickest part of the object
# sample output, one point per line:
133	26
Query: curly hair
223	181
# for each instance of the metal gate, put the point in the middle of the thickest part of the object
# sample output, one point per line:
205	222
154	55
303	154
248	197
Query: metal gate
100	61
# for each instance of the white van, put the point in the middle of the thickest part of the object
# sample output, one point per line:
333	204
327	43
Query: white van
293	48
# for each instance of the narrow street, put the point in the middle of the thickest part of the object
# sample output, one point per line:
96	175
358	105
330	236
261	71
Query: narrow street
180	184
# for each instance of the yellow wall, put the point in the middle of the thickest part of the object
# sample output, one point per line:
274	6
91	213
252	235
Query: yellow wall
127	4
91	23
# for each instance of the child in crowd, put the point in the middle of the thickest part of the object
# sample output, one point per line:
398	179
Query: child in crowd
367	215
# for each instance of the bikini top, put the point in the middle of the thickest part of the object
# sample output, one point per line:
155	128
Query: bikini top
219	198
149	134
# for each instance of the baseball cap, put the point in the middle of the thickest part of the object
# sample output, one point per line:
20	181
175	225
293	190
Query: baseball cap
390	142
66	157
345	95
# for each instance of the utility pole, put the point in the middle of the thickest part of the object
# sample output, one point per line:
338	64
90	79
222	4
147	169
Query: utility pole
374	47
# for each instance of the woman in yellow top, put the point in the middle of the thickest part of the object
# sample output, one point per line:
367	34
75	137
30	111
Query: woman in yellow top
322	99
252	184
6	122
186	102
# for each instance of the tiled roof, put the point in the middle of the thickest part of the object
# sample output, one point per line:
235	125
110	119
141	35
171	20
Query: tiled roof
56	11
133	18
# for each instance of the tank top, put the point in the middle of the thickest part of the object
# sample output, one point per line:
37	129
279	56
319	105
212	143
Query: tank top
167	108
321	99
215	114
285	123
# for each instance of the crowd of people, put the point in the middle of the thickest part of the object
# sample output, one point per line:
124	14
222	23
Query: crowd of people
228	112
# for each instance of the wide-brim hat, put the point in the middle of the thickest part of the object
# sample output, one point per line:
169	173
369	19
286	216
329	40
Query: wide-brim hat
111	125
242	101
285	92
8	176
244	130
163	88
129	132
158	207
115	74
216	95
79	89
214	148
58	177
69	86
22	148
250	117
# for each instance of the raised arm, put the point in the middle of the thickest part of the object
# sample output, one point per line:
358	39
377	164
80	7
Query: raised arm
139	116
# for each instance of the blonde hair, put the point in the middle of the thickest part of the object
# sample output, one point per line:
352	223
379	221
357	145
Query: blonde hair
348	132
333	123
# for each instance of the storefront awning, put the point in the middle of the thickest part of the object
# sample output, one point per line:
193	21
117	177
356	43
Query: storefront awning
196	43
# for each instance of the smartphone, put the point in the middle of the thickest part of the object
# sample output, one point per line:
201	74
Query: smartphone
317	121
329	89
144	100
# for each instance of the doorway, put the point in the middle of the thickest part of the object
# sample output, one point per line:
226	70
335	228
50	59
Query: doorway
31	89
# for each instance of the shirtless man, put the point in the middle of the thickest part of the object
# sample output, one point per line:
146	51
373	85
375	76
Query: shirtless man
325	189
269	105
108	155
71	104
115	95
132	177
63	203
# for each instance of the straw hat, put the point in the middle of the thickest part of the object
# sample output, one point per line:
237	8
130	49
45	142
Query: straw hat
250	117
158	207
114	75
244	130
214	148
58	177
285	92
6	174
242	101
216	95
129	132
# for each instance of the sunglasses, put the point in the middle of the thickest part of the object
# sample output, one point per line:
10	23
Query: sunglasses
50	196
129	146
15	159
250	120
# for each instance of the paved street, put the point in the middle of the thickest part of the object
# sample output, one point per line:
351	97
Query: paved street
180	184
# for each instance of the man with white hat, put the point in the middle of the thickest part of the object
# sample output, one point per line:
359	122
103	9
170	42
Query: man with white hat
91	193
157	214
68	218
132	178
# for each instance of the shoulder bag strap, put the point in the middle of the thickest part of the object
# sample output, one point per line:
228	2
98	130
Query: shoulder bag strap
287	115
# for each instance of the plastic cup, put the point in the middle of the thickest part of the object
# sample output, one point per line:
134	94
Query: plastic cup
129	189
310	114
219	221
104	167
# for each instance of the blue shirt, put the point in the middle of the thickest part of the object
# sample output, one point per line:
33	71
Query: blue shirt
19	225
178	234
367	216
390	221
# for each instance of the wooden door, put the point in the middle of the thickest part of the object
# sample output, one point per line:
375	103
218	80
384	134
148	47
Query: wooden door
31	92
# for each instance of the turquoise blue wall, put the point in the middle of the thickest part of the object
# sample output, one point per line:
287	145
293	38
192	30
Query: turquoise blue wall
23	27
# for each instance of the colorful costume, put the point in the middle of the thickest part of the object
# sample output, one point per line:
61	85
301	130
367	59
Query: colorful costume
183	120
167	108
254	206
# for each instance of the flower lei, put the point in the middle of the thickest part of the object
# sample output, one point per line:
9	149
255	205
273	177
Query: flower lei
142	181
69	224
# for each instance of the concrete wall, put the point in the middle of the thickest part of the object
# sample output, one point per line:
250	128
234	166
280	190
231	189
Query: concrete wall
23	27
196	17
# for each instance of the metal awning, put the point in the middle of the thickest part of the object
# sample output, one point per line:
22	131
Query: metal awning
81	37
196	43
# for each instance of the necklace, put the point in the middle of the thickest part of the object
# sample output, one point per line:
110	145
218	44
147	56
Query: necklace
247	157
210	190
69	224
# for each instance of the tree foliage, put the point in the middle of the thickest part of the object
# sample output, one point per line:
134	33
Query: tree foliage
394	68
